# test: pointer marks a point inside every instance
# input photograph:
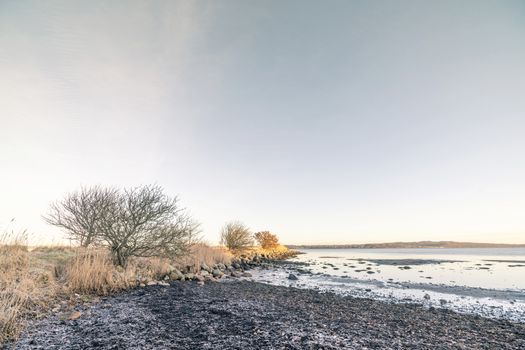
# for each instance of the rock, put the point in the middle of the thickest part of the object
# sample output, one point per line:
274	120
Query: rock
246	274
189	276
152	283
57	308
217	273
292	277
74	315
164	284
236	266
200	283
199	278
205	273
176	275
442	301
236	274
205	267
142	285
427	296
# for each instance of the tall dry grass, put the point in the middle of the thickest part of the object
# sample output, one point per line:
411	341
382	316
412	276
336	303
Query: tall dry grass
202	253
15	283
91	271
32	281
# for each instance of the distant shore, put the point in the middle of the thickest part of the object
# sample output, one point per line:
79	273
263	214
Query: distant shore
401	245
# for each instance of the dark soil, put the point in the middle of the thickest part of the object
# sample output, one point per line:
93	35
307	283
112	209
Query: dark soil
249	315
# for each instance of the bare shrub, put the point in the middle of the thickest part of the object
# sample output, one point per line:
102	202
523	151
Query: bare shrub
79	213
236	236
145	222
266	240
140	222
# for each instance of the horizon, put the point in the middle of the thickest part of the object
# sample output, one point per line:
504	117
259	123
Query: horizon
346	123
405	242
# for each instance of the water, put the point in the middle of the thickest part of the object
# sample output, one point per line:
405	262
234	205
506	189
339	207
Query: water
486	281
489	268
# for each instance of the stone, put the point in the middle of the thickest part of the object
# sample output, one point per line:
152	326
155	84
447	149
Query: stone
152	283
164	284
205	273
74	315
199	278
189	276
246	274
175	275
236	274
427	296
292	277
205	267
217	273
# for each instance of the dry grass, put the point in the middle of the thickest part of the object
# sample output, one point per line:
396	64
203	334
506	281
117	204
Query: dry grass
91	271
148	269
277	252
15	283
203	253
32	281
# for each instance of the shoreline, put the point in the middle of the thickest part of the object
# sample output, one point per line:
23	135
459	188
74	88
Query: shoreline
250	300
237	314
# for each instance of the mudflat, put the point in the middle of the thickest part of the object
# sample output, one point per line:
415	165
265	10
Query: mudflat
249	315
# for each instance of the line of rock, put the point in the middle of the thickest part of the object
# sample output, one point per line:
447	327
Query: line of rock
237	268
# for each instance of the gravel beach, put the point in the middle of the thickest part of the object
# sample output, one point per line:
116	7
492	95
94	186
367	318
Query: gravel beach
248	315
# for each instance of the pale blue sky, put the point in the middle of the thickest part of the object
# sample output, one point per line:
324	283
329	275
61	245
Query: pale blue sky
324	121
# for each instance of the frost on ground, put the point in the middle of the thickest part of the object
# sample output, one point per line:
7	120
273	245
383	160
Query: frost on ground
241	315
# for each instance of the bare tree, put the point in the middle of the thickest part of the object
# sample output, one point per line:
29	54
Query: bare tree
236	236
141	221
79	212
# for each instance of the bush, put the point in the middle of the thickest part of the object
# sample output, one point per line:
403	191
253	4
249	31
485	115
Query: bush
80	212
141	221
266	239
236	236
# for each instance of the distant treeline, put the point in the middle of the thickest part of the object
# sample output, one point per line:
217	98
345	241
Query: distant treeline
422	244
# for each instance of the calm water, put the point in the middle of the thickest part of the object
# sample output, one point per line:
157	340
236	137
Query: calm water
491	268
487	282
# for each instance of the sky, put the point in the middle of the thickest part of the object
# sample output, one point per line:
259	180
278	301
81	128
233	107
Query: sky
321	121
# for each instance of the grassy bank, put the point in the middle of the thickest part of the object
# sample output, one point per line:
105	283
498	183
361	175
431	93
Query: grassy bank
36	281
